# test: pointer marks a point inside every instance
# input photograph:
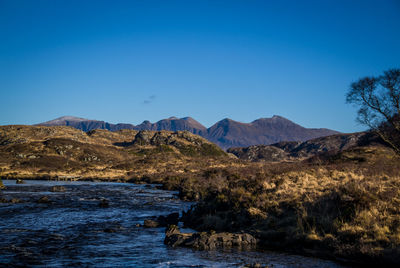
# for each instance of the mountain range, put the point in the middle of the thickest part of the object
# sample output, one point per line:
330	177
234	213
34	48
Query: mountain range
226	133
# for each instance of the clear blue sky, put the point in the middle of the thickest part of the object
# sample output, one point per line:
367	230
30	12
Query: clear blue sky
128	61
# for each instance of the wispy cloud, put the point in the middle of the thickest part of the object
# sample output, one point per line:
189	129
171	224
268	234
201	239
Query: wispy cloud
150	99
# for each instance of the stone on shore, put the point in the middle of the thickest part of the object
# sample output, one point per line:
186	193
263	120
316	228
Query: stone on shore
208	241
162	221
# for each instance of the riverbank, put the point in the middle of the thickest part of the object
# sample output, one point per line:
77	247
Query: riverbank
343	207
74	229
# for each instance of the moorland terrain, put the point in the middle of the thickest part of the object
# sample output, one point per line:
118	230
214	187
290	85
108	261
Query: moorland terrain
337	197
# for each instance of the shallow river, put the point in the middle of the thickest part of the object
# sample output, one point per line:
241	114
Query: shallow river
73	230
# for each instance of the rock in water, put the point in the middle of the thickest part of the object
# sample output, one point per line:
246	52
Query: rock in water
44	200
104	203
150	224
19	181
58	189
162	221
208	241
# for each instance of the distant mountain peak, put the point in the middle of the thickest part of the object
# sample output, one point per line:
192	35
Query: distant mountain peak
63	119
71	118
278	116
273	118
227	120
187	118
173	118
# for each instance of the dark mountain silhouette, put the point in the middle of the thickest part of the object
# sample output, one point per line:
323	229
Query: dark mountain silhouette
225	133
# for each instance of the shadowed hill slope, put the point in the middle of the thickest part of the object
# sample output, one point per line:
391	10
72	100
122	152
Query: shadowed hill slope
290	151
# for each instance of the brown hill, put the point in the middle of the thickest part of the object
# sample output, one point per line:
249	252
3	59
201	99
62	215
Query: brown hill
37	151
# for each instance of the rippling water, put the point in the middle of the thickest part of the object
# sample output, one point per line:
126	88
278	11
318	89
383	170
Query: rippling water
73	230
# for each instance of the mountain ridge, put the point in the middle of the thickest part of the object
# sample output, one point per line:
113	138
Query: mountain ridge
225	133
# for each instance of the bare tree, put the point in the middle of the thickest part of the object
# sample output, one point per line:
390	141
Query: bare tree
379	102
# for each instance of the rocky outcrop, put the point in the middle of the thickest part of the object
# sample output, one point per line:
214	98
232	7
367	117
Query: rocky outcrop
288	151
184	141
208	240
258	152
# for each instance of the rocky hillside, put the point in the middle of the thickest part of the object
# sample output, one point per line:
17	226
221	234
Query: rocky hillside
37	151
289	151
225	133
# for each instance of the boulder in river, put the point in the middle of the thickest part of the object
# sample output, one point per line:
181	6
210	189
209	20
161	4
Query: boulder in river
208	241
12	200
58	188
15	200
19	181
255	265
151	224
44	200
104	203
162	221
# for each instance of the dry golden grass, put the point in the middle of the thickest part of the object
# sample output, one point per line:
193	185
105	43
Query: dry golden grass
339	206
